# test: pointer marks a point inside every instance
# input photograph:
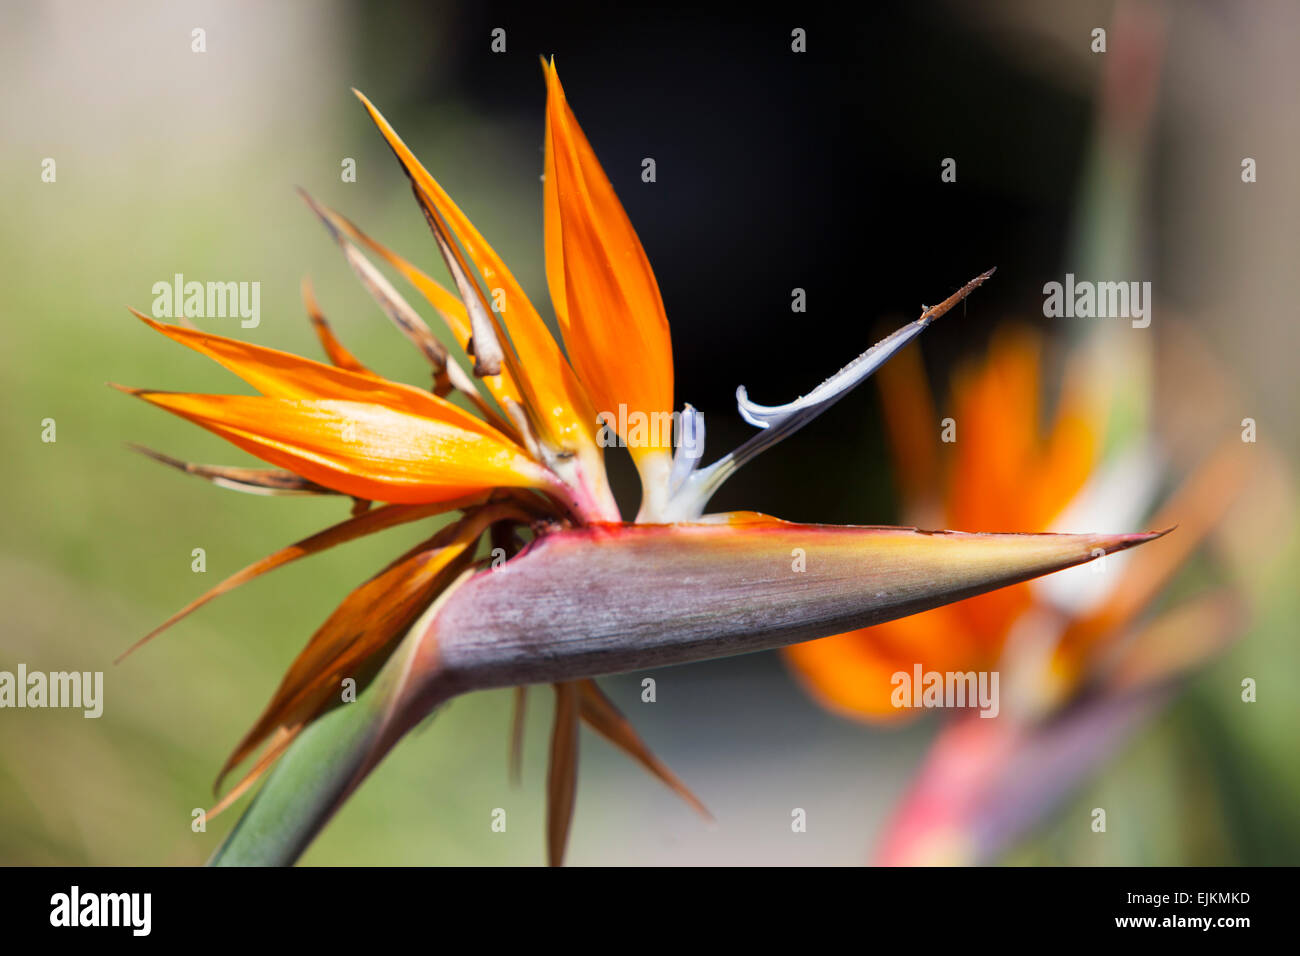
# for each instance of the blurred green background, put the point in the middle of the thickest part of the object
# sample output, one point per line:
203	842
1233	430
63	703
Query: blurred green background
170	161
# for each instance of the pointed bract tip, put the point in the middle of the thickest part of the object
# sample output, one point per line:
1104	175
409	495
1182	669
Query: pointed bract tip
365	101
375	116
1122	542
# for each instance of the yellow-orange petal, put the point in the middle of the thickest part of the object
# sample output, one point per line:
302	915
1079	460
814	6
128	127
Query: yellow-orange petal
361	449
278	374
603	288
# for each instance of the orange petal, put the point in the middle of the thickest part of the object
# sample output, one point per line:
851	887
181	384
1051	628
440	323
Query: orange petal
604	290
604	718
1072	448
561	410
996	408
1003	475
361	449
562	777
279	374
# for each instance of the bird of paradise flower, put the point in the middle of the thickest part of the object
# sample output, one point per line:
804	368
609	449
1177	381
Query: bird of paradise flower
516	456
1079	669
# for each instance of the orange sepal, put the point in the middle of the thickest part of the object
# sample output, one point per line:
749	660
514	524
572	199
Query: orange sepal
364	450
602	286
278	374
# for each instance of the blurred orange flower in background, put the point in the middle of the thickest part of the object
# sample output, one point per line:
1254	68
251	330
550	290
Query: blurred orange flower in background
1052	647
